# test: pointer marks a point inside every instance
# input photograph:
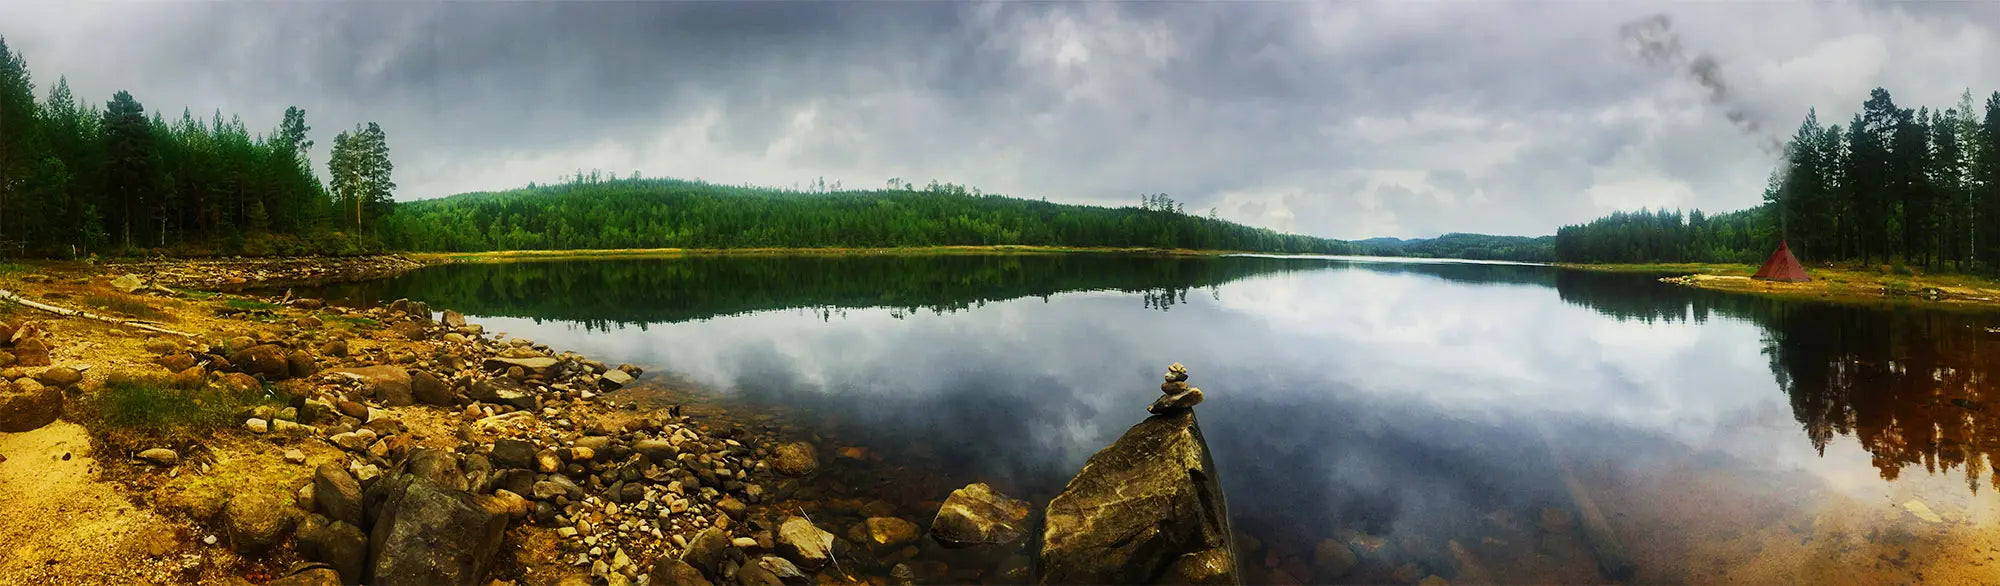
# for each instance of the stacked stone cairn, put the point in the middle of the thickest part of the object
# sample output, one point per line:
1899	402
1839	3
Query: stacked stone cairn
1178	395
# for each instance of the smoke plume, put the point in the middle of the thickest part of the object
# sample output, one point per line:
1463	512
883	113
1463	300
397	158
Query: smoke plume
1653	40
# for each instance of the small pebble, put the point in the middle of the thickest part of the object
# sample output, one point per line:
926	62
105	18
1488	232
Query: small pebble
210	540
294	456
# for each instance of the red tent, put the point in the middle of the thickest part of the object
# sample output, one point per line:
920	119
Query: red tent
1782	266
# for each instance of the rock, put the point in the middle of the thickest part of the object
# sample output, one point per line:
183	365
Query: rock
430	535
614	380
503	391
310	323
313	576
428	388
335	348
354	441
400	305
1178	402
978	515
295	456
454	319
547	461
265	360
28	406
301	364
795	459
1137	507
409	330
337	494
783	570
390	384
308	303
128	283
438	466
675	572
802	542
512	453
255	521
31	352
732	507
1332	560
657	450
237	381
338	544
891	531
176	362
506	502
539	365
705	552
161	456
351	409
59	377
256	425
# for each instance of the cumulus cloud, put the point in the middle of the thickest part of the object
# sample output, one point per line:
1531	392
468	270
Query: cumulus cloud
1340	119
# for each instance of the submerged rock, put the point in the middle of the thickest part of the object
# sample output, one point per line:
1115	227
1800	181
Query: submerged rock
795	459
1145	510
802	542
979	515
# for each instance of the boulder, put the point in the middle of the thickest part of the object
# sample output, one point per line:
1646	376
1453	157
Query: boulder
161	456
128	283
673	571
804	543
338	544
512	453
266	360
1332	560
428	388
409	330
706	551
614	380
542	365
503	391
438	466
431	535
310	323
337	494
795	459
31	352
308	303
1138	508
301	364
891	531
454	319
176	362
59	377
978	515
335	348
656	450
256	521
390	384
27	407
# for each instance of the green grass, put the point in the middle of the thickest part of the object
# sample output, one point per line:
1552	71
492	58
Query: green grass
9	268
125	305
141	408
194	294
347	321
249	304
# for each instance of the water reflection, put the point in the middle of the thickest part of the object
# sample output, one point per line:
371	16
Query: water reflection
1426	413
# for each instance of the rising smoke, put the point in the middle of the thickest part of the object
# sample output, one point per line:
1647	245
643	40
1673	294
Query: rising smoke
1653	40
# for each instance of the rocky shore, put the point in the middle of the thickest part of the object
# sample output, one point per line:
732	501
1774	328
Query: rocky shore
236	274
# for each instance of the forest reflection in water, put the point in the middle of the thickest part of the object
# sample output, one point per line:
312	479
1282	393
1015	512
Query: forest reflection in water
1415	408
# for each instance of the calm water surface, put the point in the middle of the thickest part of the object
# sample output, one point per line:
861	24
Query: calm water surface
1452	419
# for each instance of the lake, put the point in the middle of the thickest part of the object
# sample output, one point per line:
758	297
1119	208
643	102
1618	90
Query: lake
1463	420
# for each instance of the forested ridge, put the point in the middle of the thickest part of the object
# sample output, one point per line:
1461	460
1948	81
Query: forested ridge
1462	245
1894	186
77	178
592	212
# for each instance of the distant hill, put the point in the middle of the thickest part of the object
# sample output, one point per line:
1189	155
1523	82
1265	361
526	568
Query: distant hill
1461	245
671	213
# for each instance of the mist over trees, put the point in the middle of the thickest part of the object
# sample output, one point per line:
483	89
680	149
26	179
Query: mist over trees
78	179
597	212
1895	185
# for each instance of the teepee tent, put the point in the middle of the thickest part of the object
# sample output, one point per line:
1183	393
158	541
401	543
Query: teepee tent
1782	266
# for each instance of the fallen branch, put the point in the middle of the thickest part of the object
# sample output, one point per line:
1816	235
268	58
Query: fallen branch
10	296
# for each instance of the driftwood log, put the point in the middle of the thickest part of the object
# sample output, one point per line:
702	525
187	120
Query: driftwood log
136	324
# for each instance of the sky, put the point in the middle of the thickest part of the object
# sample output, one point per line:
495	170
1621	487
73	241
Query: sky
1342	119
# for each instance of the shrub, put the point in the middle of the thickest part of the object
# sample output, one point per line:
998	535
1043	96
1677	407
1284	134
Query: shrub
126	305
133	408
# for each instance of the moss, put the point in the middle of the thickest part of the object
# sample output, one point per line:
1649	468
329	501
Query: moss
347	321
137	409
126	305
249	304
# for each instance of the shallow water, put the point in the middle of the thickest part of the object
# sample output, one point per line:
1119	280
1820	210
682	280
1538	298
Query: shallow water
1444	419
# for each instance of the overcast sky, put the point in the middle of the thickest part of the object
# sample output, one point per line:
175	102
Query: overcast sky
1340	119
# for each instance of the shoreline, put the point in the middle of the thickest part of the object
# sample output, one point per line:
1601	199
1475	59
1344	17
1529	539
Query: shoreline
590	254
1840	284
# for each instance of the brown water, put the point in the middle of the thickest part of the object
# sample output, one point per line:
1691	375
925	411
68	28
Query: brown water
1457	420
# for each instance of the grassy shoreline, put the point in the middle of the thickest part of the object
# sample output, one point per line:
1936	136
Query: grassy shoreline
525	255
1846	284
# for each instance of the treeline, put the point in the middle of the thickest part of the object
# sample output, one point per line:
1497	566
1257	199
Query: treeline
1670	236
1895	185
1466	246
77	179
593	212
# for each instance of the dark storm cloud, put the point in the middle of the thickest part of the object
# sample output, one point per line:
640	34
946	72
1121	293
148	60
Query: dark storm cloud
1341	119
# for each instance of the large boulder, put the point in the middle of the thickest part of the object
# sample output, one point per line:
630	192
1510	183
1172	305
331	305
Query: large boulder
804	543
706	551
337	494
256	521
673	571
432	535
27	407
795	459
428	388
390	384
513	453
266	360
31	351
336	544
1147	509
503	391
978	515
